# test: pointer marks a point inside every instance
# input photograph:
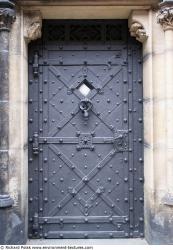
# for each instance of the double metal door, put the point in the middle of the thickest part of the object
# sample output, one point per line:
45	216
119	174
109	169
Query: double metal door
85	132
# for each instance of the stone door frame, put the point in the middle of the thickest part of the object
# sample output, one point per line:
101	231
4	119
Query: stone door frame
144	26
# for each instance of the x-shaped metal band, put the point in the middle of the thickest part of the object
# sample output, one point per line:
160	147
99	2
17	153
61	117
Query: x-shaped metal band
76	110
85	179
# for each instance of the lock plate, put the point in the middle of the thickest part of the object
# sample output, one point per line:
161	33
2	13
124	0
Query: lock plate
85	141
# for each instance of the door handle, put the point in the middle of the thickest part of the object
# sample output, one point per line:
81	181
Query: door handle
85	106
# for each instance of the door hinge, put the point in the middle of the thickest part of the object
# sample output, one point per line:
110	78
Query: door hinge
35	144
35	225
35	65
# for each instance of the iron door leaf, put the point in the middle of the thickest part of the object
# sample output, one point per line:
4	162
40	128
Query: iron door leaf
85	132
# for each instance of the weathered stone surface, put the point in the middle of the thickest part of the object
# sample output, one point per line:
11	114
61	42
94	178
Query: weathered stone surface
32	25
7	17
165	17
138	31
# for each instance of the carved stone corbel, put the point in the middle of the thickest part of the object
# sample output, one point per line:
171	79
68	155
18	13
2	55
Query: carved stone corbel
138	31
165	17
137	25
32	25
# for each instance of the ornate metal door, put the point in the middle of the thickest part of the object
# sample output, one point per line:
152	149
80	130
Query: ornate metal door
85	132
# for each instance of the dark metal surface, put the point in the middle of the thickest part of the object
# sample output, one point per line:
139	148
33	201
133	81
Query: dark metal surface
85	151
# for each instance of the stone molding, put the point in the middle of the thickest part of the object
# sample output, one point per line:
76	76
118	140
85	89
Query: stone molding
137	25
32	25
7	17
165	18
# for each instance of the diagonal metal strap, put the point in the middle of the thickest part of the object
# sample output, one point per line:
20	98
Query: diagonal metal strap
62	123
85	179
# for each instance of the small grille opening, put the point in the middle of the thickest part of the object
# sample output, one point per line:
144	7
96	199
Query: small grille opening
85	88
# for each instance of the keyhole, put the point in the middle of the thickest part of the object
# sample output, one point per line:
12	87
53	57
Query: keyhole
85	140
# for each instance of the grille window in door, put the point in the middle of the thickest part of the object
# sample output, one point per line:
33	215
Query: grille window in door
85	132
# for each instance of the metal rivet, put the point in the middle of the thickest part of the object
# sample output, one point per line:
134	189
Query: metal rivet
125	160
30	159
141	219
110	219
30	180
140	159
45	159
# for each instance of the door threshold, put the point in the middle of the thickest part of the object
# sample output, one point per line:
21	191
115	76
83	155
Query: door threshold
137	241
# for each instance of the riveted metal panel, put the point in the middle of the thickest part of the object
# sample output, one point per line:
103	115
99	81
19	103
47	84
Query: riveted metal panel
85	131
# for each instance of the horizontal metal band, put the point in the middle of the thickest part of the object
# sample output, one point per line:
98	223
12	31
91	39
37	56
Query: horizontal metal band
82	219
85	234
74	140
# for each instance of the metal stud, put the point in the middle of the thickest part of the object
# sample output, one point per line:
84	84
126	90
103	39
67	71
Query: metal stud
30	180
45	159
141	179
45	199
110	219
30	159
141	219
30	199
140	159
85	179
125	159
141	199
